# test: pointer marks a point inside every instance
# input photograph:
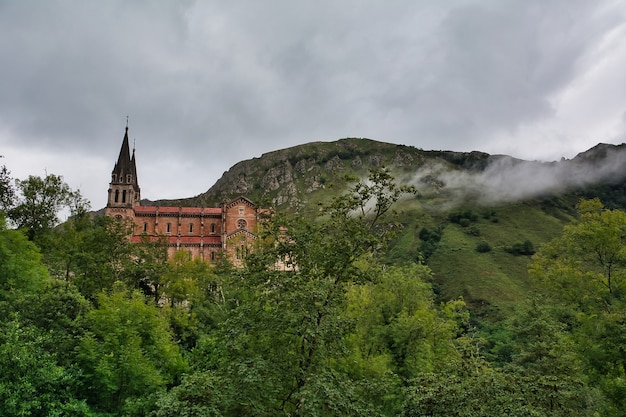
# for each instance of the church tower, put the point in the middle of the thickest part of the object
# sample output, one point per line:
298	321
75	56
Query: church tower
124	192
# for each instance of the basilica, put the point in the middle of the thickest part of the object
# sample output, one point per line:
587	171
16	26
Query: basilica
206	232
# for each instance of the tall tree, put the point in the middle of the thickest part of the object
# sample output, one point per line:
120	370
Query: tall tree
586	265
39	202
468	386
585	269
7	192
32	383
127	353
21	270
396	317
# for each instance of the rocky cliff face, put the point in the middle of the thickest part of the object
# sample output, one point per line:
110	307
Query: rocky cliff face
299	176
293	176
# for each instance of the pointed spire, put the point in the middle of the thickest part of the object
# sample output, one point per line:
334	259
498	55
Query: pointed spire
122	166
133	167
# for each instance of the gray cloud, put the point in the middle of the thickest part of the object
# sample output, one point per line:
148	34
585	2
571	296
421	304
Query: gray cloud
209	83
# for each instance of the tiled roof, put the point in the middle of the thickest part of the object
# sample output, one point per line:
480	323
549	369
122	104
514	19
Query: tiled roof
145	209
240	199
196	211
191	210
168	209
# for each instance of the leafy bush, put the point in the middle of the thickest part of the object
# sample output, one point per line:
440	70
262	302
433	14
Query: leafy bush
483	247
464	222
463	217
430	239
521	248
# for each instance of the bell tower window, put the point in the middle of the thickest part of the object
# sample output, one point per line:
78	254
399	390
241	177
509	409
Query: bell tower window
123	196
117	196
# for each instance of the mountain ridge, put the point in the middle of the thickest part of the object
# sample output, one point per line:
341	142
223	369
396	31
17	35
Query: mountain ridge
295	176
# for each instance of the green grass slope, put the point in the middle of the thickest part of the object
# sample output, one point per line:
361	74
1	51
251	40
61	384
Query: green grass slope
490	281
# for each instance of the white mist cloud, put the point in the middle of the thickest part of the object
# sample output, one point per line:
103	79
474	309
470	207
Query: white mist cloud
507	179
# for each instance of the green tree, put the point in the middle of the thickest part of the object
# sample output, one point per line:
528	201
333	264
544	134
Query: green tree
37	334
584	270
21	270
7	192
396	317
32	383
200	394
90	252
39	202
149	266
127	353
585	266
192	290
469	386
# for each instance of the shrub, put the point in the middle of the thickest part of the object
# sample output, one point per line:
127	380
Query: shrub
464	222
430	239
483	247
463	217
521	248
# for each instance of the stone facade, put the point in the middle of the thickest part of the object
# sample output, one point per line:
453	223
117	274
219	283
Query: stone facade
207	232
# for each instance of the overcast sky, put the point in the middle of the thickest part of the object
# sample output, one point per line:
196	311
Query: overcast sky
209	83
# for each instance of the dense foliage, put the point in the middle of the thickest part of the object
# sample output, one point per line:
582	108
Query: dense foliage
317	323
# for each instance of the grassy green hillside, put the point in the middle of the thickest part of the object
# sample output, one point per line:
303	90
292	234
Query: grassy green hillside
489	281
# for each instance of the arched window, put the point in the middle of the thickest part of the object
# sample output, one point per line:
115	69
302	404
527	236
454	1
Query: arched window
190	227
117	195
145	227
212	227
168	228
123	196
